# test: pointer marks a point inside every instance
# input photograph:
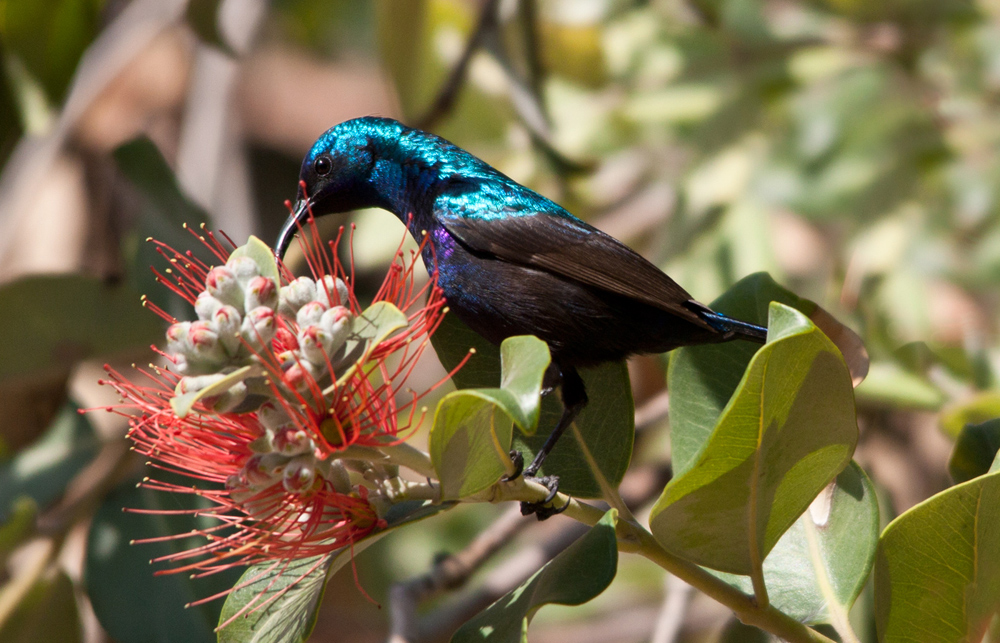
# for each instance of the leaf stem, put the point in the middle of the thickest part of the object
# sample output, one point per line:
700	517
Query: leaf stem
633	538
759	588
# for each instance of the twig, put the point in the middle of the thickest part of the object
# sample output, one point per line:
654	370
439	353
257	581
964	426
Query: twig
675	604
445	100
89	487
547	541
653	410
449	573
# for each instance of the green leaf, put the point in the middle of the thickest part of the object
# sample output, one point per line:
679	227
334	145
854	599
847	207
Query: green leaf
702	379
47	613
981	408
603	433
578	574
167	207
736	632
889	384
49	37
403	37
18	526
452	341
471	435
163	213
182	404
975	450
820	565
937	570
295	591
119	577
53	321
261	254
788	430
606	425
470	440
42	471
203	16
523	361
375	324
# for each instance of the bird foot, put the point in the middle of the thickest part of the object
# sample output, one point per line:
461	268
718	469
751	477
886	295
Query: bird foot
518	460
541	508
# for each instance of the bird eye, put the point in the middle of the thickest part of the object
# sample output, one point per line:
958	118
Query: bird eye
323	165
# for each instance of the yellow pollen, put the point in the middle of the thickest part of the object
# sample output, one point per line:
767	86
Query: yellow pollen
149	238
472	350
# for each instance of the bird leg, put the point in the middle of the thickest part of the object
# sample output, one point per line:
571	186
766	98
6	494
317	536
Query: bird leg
553	377
574	398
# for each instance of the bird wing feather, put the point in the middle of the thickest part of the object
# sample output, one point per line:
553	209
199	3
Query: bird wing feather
575	250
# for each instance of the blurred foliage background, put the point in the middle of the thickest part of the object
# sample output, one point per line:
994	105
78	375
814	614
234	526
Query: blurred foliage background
848	148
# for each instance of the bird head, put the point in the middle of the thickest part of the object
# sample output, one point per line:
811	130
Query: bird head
335	174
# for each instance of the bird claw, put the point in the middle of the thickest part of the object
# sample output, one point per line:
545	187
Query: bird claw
541	508
518	460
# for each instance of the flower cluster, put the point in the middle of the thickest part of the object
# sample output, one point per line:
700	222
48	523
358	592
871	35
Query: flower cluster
265	392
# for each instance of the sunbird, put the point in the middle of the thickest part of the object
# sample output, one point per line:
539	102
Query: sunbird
509	261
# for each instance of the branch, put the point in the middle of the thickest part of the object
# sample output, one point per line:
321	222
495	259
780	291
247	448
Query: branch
675	604
445	100
641	485
449	573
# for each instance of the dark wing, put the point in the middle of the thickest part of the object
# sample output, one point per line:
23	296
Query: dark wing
577	251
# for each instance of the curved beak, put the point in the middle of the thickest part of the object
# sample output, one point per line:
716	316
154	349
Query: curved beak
296	219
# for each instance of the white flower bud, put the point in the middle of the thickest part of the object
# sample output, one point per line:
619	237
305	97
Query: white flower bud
244	268
337	323
203	350
227	322
301	373
222	284
336	473
273	416
228	400
314	342
195	383
296	295
206	305
310	314
331	292
299	474
177	338
262	471
258	327
261	291
292	440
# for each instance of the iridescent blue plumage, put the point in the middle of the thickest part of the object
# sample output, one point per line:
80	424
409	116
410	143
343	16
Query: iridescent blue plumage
510	261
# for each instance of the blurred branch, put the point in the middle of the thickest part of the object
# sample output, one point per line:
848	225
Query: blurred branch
440	624
640	486
675	604
449	573
445	100
116	46
114	461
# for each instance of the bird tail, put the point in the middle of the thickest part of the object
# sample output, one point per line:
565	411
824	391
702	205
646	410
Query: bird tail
735	328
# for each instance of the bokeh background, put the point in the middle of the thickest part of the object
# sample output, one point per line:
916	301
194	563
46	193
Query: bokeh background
849	148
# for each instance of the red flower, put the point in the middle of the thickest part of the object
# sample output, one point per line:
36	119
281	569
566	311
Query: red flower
265	389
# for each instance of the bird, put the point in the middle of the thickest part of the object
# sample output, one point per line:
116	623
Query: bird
509	261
